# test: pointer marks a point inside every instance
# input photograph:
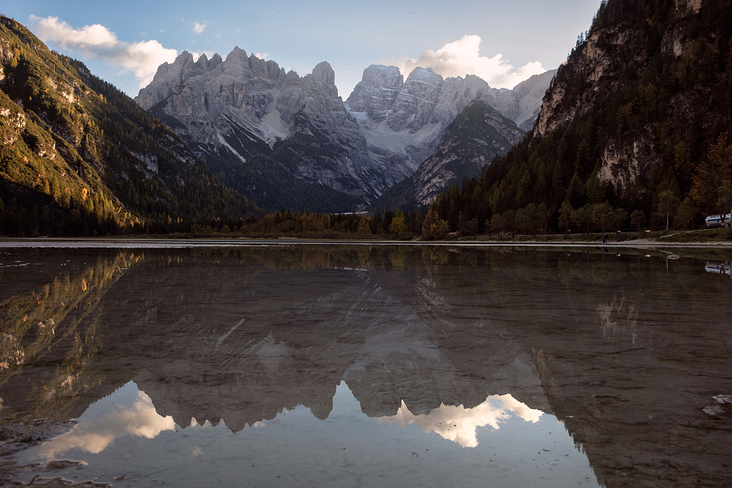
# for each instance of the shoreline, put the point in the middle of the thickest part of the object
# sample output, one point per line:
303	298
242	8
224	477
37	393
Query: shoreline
179	243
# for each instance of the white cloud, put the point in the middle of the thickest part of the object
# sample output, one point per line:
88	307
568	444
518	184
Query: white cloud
197	55
463	57
460	424
96	41
261	55
94	435
198	27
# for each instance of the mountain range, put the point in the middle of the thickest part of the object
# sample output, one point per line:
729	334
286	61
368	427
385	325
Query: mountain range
259	128
221	138
635	124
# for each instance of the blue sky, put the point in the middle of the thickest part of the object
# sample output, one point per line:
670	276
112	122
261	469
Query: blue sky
124	41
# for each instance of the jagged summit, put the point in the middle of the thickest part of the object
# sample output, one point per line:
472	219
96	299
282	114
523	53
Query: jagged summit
324	73
242	109
407	119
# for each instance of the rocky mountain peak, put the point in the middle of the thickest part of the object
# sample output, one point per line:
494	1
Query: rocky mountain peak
382	76
238	57
376	92
206	64
234	110
170	75
323	72
422	74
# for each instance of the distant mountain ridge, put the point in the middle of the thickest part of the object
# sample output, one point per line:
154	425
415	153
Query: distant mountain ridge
259	127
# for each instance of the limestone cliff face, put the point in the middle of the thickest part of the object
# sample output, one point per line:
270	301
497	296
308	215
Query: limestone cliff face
238	110
404	121
232	110
475	137
522	103
654	78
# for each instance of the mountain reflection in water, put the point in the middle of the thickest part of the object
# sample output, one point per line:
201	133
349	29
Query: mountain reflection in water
125	434
493	361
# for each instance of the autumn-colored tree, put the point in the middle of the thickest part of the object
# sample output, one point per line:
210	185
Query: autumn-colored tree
397	224
711	173
363	226
434	227
637	219
603	215
565	216
582	217
667	203
439	230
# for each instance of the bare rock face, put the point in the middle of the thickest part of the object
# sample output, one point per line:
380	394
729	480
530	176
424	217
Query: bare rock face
212	101
230	111
470	142
609	61
377	91
404	121
323	72
233	110
522	103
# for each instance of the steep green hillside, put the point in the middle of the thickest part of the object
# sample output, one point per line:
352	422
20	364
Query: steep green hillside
632	124
79	157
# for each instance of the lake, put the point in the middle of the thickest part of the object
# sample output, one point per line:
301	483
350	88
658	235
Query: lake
134	364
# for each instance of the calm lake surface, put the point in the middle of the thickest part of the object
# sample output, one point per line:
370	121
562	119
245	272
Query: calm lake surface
297	365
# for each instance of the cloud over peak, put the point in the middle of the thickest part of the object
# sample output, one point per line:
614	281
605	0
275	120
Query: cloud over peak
462	57
96	41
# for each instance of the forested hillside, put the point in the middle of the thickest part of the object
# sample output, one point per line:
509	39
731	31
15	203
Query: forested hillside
78	157
635	129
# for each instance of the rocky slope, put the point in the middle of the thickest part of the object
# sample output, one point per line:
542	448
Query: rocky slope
236	110
522	103
261	129
80	157
655	83
404	121
637	120
470	143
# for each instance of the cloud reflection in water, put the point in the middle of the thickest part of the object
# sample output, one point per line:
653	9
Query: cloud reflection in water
99	427
460	424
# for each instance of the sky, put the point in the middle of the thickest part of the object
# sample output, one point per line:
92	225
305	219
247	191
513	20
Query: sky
124	41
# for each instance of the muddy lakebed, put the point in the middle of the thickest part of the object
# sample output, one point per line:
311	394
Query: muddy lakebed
284	364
